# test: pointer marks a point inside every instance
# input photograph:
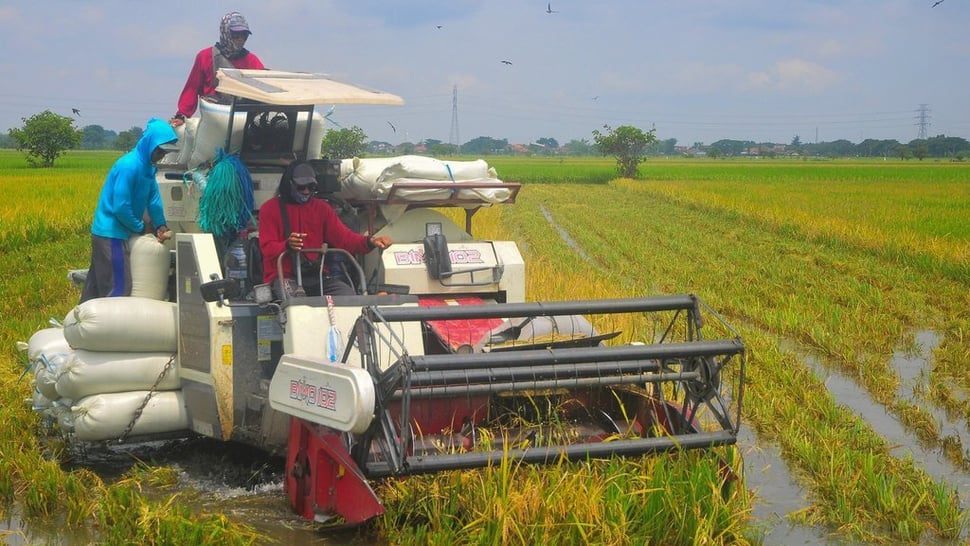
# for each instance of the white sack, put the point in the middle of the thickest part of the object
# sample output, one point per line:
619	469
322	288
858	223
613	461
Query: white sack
431	169
372	178
486	195
45	382
411	194
106	416
150	264
46	341
123	324
39	401
214	126
212	130
86	372
358	177
47	369
187	140
317	132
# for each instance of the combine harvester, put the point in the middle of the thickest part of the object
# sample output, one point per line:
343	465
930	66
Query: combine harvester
438	363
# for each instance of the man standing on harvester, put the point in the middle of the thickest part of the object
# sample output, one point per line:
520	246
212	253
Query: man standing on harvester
129	192
228	52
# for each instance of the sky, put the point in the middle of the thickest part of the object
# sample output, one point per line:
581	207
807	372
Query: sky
695	71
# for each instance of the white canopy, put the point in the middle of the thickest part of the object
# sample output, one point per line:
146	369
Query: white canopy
297	88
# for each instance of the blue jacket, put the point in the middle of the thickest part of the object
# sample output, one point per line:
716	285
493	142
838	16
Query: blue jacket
131	188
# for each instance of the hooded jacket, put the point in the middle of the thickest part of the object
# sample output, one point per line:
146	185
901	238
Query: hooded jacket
130	188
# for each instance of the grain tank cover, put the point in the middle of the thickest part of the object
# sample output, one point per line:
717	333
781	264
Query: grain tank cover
297	88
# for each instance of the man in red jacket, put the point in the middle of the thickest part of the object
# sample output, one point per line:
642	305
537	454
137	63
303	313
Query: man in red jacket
310	223
228	52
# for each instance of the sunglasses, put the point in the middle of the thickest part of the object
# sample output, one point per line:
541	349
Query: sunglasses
240	34
305	187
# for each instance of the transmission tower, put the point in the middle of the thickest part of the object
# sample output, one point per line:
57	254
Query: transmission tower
453	137
923	120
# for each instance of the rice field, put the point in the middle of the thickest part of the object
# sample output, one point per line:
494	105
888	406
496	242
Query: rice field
831	264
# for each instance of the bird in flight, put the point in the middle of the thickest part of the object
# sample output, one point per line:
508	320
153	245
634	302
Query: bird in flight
549	8
937	3
438	26
393	128
507	62
76	111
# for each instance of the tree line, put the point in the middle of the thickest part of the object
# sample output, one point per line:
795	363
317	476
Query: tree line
46	135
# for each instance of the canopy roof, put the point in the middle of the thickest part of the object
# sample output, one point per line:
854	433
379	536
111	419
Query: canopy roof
297	88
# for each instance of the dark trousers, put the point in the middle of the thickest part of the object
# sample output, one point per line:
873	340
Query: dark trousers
110	270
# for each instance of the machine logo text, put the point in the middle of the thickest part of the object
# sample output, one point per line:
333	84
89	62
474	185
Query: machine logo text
313	395
415	256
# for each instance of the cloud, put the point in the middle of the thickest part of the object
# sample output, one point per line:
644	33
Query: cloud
794	75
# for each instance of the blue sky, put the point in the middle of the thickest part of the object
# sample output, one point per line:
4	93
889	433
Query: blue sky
696	71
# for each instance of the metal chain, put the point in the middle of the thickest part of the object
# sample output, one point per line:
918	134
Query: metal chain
151	392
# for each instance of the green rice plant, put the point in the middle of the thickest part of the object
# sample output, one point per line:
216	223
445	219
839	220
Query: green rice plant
8	483
841	329
81	489
639	501
41	489
126	516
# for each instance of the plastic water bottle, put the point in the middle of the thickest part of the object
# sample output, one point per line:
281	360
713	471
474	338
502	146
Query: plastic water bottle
200	179
237	266
335	346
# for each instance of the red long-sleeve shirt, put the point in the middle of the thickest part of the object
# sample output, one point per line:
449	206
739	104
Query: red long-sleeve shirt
202	78
315	218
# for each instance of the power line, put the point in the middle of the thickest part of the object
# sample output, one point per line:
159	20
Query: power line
453	137
923	120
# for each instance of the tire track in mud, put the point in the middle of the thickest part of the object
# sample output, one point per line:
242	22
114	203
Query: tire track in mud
570	242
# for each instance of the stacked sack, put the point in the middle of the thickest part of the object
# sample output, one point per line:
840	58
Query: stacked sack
123	357
372	178
113	356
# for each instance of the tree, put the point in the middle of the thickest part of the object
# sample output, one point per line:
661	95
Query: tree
95	137
729	147
578	147
45	136
485	145
627	144
127	139
344	143
441	148
664	147
405	148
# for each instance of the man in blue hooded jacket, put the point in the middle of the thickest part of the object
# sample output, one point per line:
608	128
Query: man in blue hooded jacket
129	192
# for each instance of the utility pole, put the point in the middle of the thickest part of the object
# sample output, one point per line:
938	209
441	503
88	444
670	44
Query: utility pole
923	120
453	137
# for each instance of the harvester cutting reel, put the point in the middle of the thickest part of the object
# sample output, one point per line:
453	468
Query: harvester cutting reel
568	393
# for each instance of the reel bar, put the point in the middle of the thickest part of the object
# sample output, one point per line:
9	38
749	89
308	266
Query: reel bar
550	454
605	354
538	373
468	389
529	309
